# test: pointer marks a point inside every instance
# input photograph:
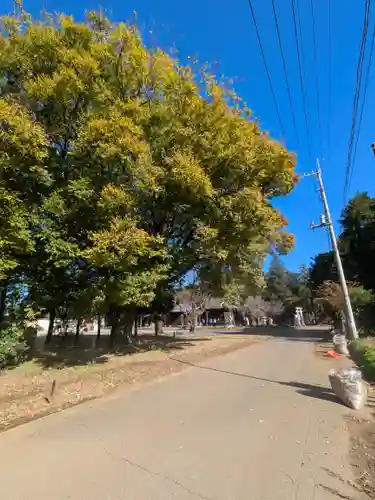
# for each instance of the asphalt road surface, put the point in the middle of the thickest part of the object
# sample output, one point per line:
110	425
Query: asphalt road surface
257	424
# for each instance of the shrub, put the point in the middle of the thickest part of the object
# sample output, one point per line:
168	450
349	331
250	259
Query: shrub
13	346
364	356
369	363
356	346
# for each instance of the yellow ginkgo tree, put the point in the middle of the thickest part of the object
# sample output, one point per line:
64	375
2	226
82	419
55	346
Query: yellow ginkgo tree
131	169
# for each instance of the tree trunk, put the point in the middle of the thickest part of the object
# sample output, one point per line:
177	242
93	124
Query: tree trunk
114	315
158	327
52	316
78	327
137	318
64	322
193	318
115	330
3	296
99	319
127	323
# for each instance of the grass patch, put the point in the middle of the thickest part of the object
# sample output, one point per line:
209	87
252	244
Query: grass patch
363	354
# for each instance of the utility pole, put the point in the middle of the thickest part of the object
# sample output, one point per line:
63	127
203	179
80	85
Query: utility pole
326	221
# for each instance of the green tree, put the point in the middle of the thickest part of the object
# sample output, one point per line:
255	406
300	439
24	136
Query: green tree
322	268
130	170
292	289
130	264
356	244
23	149
279	281
357	240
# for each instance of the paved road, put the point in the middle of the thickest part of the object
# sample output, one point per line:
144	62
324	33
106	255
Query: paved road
256	424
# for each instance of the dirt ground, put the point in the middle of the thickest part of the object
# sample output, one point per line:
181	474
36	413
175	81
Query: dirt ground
363	444
363	452
63	376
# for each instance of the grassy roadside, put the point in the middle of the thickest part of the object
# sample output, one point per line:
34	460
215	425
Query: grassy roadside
62	377
363	354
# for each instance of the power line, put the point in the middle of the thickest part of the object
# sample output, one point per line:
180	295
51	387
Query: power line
301	74
303	60
367	78
329	80
266	67
284	68
316	73
356	97
302	45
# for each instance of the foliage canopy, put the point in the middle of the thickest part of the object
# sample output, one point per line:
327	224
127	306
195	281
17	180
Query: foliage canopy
121	170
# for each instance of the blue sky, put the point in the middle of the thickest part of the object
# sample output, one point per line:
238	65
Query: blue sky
222	33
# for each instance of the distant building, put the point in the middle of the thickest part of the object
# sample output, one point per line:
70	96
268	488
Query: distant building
218	312
177	316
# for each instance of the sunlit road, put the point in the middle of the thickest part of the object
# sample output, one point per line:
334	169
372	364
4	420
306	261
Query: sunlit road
256	424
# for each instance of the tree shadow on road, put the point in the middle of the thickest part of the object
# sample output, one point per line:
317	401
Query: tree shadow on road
288	333
307	334
309	390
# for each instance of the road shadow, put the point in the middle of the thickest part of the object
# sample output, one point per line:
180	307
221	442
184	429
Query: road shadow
303	334
314	391
65	352
281	332
309	390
